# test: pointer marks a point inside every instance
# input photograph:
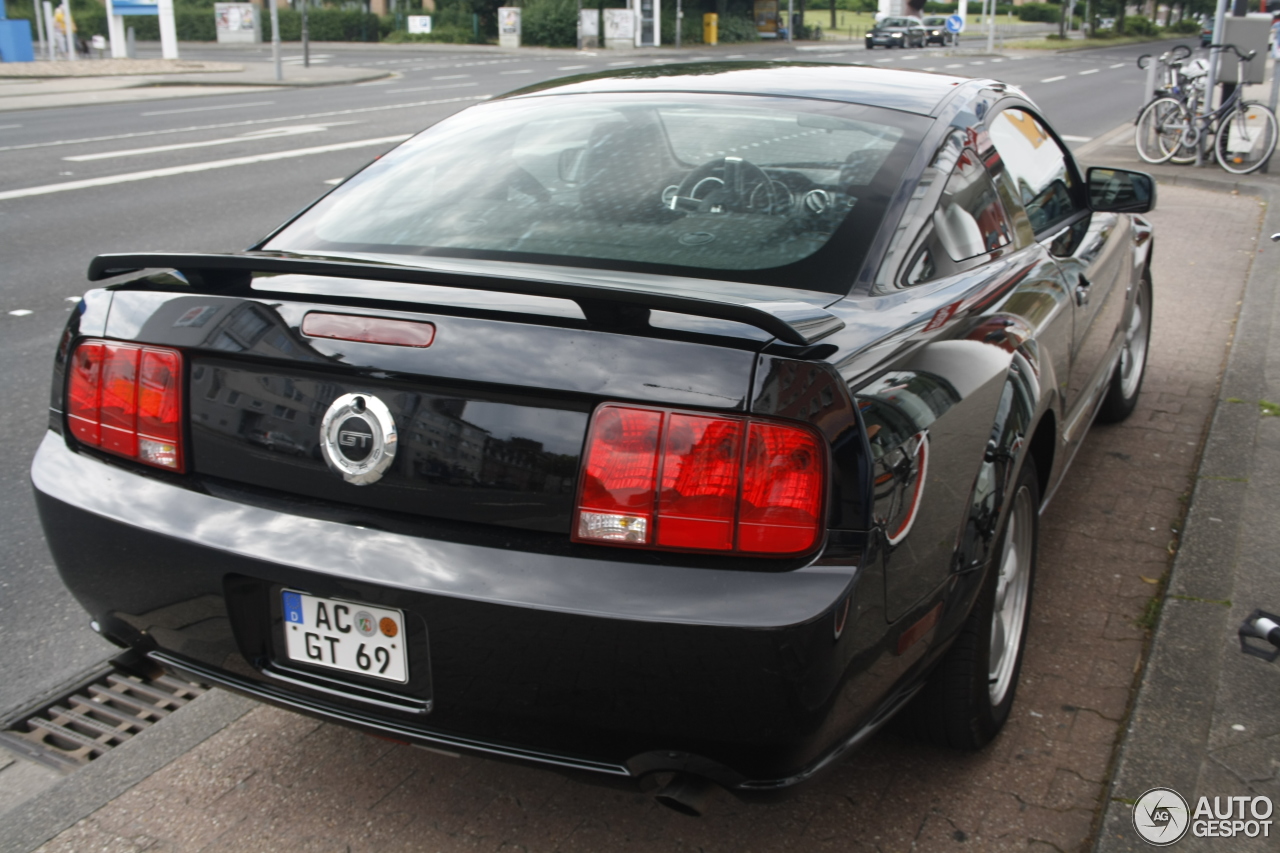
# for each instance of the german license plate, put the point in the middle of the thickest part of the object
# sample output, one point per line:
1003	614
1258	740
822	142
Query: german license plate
345	635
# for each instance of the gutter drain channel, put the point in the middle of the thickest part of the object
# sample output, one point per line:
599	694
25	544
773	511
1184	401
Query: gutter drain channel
69	731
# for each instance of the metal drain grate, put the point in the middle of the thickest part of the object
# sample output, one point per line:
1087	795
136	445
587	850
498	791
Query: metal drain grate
94	718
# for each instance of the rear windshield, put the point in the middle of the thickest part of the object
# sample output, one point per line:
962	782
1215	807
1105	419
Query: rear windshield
734	187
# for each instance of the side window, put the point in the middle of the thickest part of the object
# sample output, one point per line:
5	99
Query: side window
969	221
1036	166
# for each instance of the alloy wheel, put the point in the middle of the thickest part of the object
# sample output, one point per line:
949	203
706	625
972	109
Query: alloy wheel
1013	586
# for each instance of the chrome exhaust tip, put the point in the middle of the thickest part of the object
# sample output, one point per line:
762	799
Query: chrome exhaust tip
688	794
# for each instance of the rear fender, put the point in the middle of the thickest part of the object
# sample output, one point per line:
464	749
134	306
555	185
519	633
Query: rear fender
1022	404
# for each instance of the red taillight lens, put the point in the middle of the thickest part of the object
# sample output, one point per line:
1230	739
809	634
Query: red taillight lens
619	476
127	400
782	495
690	481
700	474
84	393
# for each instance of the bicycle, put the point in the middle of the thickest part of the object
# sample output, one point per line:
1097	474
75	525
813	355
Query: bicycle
1170	62
1184	82
1244	132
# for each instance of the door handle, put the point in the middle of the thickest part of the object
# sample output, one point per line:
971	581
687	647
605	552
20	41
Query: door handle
1082	290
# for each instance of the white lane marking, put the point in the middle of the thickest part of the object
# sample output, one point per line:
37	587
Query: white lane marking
1054	79
1090	71
518	71
251	136
979	62
377	82
451	77
1118	65
129	177
889	59
736	56
21	312
570	67
73	298
9	126
208	109
930	68
1065	138
333	182
428	88
623	62
956	65
245	123
994	61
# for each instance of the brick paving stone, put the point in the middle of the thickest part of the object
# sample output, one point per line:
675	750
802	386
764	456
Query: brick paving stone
276	781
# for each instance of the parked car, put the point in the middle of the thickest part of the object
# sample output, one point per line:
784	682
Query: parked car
1206	33
936	30
686	420
896	32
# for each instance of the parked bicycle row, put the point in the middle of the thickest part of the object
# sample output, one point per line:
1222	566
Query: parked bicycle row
1181	125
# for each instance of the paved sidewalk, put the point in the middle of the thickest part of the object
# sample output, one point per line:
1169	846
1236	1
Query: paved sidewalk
1206	721
269	779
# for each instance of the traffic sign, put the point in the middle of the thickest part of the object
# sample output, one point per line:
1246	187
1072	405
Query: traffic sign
955	24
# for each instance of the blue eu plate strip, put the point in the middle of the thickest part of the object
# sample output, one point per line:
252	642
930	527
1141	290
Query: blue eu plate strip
293	608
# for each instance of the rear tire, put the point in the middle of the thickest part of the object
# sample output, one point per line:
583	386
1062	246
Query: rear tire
1126	380
969	695
1254	122
1161	126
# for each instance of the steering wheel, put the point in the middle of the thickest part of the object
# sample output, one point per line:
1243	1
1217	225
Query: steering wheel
725	185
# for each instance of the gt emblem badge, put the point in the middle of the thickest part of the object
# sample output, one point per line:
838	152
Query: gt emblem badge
358	438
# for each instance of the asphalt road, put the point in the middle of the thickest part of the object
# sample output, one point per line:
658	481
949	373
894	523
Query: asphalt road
215	173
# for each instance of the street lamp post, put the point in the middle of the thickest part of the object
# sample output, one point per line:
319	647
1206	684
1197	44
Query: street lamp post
275	40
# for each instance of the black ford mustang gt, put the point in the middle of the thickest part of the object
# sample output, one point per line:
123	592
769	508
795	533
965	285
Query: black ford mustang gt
689	420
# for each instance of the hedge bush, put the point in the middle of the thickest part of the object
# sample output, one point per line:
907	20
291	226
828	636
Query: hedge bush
736	28
194	23
549	23
1136	25
1187	26
1043	12
438	35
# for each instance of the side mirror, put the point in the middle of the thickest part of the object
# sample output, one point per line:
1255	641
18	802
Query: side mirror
1120	190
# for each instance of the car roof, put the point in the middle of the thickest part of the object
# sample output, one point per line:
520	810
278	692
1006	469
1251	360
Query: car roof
907	90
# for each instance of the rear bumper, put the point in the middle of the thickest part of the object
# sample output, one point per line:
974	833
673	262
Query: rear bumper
621	668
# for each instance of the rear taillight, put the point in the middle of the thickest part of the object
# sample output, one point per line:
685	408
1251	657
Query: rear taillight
127	400
692	482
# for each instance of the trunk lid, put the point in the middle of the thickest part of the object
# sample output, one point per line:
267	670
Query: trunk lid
490	418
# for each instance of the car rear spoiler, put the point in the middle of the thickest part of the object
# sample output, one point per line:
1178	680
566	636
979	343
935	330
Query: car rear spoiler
793	322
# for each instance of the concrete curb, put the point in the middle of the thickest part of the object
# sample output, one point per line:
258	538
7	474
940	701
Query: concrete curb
1170	731
79	795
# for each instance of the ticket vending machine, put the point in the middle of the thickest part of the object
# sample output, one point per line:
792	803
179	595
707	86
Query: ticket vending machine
648	23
